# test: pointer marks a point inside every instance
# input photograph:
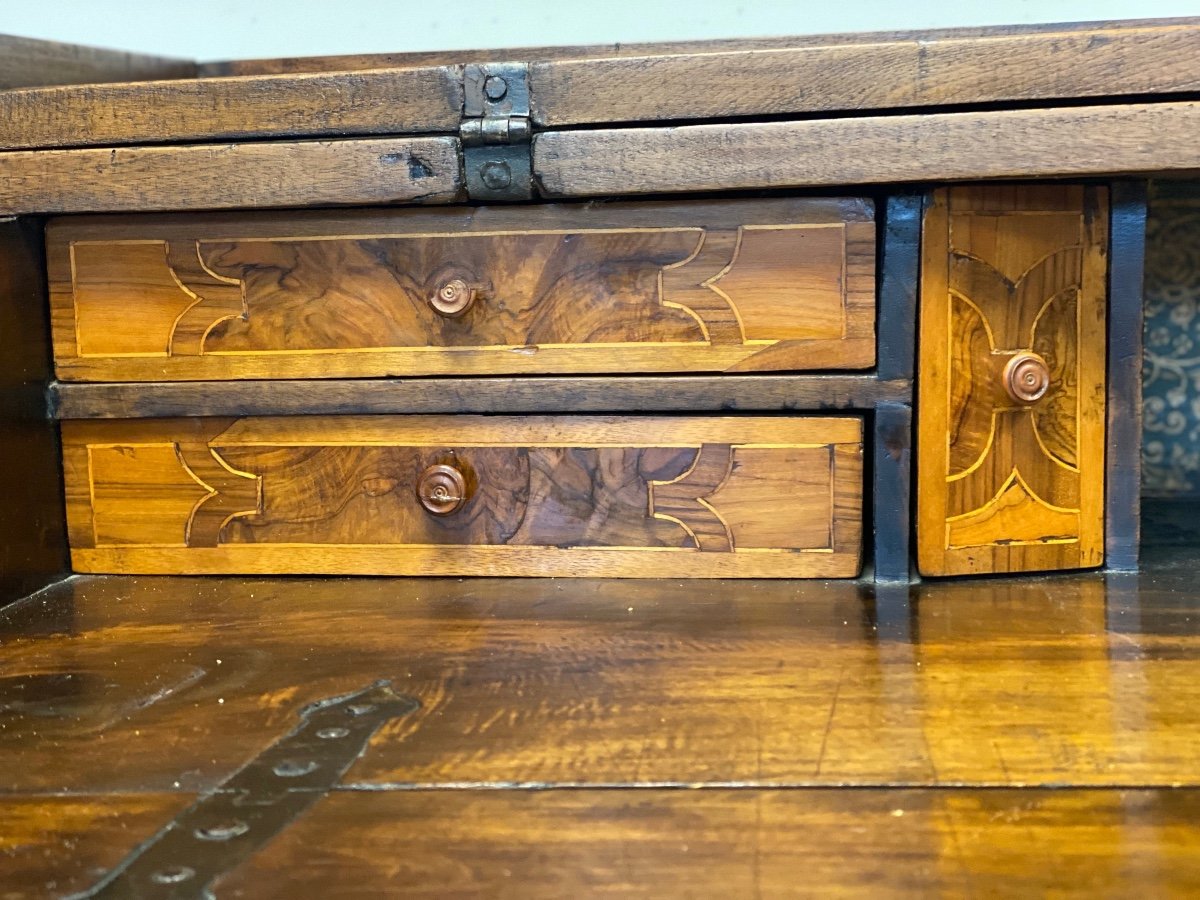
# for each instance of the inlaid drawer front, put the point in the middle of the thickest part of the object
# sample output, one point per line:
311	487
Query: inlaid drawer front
756	285
461	495
1012	381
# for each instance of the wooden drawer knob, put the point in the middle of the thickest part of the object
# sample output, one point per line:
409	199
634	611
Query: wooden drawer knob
442	490
1026	377
452	298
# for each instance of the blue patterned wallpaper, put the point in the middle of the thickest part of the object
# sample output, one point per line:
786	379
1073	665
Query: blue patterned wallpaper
1171	370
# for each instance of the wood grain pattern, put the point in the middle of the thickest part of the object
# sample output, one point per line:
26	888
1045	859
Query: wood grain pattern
1006	485
231	176
399	101
657	842
523	394
53	846
863	150
993	746
914	70
734	286
27	62
354	62
621	496
672	843
699	80
1083	679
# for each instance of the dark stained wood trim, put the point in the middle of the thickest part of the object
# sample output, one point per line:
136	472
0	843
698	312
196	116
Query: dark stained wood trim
28	62
229	176
892	506
899	267
395	101
900	250
1124	450
710	393
1118	139
33	541
905	71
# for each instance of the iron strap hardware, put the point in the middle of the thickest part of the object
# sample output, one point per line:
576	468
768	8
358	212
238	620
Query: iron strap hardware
226	826
495	132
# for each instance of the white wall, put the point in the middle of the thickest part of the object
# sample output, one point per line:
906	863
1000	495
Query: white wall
240	29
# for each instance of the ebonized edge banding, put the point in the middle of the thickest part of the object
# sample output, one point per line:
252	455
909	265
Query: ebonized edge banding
711	393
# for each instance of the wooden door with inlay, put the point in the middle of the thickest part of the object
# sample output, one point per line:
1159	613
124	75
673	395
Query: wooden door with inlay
1012	383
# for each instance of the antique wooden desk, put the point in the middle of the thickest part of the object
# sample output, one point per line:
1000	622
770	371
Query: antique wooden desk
663	311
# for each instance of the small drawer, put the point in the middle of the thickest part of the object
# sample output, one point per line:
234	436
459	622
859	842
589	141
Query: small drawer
464	495
732	286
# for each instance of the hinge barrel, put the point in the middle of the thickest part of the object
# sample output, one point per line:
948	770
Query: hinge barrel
496	133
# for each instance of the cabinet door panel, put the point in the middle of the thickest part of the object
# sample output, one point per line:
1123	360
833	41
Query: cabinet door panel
1012	388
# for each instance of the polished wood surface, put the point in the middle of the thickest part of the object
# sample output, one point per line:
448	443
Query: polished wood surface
231	176
1080	679
54	845
648	842
1001	738
630	496
753	285
962	146
27	62
673	843
1011	384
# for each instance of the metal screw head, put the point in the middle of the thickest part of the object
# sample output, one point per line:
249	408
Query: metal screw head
222	831
294	768
495	87
496	175
172	875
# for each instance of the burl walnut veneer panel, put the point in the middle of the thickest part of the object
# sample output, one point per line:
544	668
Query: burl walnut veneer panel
738	286
460	495
1012	380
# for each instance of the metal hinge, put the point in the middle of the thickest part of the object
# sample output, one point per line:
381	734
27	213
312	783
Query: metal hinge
228	824
495	131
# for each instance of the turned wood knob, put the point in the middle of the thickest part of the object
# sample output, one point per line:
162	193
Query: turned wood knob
1026	377
442	490
452	298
